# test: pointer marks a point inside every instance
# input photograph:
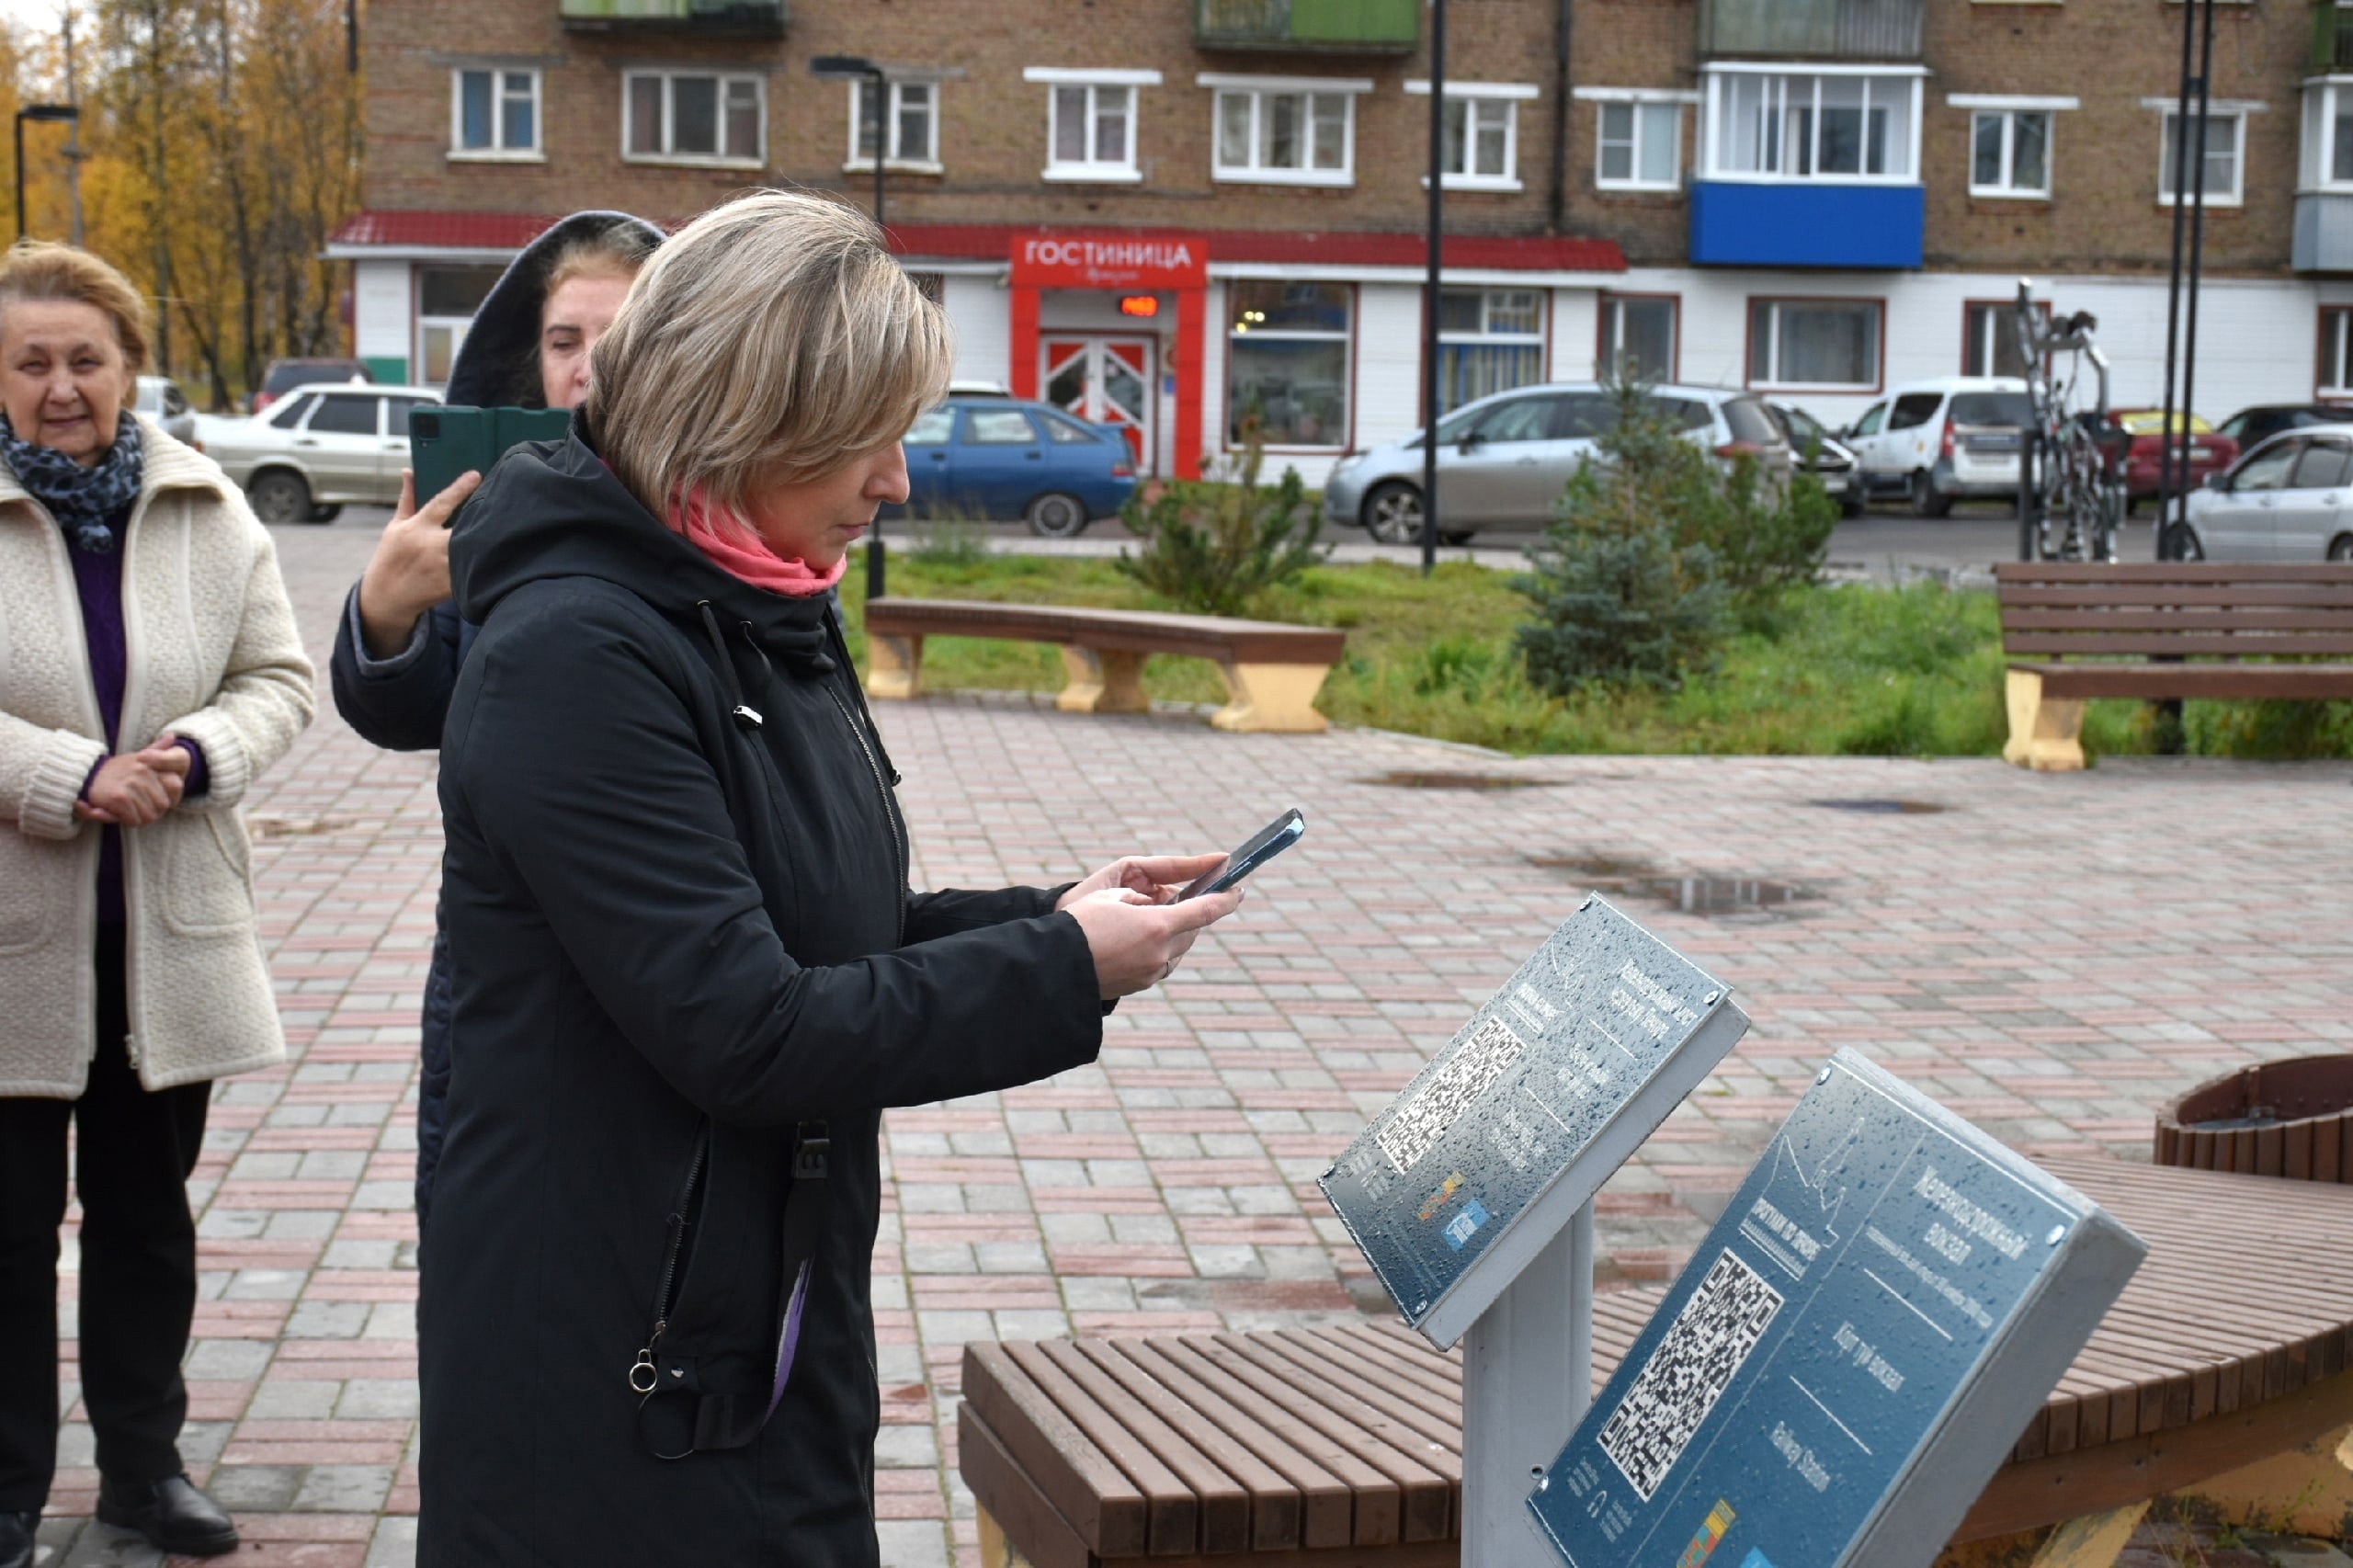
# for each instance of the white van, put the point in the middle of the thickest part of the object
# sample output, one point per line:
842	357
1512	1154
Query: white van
1953	438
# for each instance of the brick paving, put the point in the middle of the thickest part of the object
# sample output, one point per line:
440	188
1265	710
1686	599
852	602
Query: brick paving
2050	955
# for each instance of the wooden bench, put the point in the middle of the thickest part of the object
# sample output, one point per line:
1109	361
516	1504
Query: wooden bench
1272	671
1340	1446
2292	1118
2140	618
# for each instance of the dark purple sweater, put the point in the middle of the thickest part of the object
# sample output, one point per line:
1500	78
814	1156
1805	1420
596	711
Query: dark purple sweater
97	582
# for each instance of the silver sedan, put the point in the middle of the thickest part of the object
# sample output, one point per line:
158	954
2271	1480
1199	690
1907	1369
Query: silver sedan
2289	499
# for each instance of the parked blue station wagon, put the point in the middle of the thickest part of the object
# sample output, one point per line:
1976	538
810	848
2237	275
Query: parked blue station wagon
995	457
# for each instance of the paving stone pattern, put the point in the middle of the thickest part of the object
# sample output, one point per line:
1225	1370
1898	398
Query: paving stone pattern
2050	955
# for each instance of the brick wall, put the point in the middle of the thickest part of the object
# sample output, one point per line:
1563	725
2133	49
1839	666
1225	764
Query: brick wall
2103	215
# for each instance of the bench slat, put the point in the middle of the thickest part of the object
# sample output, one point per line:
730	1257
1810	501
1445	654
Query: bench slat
1171	1514
1267	1504
1424	1490
1121	630
2158	618
2311	682
1083	1482
2068	571
1208	1488
2270	596
2182	643
1014	1499
1323	1508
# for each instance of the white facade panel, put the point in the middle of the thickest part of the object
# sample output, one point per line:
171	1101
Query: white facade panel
1576	330
978	308
380	297
1389	364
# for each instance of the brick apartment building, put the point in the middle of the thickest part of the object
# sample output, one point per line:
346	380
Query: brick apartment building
1162	212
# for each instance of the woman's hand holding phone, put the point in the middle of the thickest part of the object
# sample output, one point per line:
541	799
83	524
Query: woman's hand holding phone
1135	931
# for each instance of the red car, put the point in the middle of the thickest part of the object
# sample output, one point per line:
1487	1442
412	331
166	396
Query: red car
2208	453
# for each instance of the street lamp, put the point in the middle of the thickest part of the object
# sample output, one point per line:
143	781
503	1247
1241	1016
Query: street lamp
1435	226
35	111
850	68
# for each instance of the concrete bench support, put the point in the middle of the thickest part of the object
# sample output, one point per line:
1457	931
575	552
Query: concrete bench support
2045	732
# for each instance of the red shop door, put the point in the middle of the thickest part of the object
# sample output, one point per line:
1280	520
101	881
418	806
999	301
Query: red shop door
1108	381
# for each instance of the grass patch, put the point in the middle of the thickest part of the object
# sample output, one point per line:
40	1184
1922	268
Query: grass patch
1851	670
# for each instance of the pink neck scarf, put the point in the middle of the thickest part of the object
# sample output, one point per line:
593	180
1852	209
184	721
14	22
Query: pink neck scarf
739	552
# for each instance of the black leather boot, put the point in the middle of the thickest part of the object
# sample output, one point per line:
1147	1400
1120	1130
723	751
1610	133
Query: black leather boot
171	1514
17	1539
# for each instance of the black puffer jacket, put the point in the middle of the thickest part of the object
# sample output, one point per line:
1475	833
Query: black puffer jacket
680	932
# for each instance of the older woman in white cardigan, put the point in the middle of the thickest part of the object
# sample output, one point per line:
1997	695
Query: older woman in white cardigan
149	672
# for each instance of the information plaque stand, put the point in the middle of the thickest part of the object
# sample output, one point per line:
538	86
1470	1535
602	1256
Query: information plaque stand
1471	1195
1848	1359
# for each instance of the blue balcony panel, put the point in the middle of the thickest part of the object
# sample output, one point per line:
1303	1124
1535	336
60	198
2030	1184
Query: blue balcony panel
2324	232
1735	224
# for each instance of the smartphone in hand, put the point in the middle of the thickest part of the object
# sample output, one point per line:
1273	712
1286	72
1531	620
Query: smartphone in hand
1262	846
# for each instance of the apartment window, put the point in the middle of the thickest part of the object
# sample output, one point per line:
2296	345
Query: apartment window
1852	126
1091	122
1290	133
2010	153
1640	146
693	116
494	113
1638	337
1287	364
910	120
1479	133
1989	336
1815	344
2226	150
2335	351
2328	134
1489	340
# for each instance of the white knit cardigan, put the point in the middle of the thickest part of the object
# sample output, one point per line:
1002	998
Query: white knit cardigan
213	655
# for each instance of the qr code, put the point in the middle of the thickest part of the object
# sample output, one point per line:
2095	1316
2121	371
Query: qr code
1692	1368
1415	1130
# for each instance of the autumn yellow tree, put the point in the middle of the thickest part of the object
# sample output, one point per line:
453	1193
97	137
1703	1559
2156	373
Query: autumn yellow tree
219	148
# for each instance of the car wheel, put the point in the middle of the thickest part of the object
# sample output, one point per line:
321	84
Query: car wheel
1928	501
2181	543
2341	551
325	514
1057	516
279	497
1392	513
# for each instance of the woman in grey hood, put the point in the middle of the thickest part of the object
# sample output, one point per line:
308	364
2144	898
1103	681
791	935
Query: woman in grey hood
400	641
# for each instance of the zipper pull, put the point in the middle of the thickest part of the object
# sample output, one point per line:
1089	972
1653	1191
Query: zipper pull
644	1363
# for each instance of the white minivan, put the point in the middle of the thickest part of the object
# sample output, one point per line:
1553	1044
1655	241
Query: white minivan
1953	438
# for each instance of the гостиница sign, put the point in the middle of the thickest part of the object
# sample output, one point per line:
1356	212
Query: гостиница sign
1847	1360
1548	1089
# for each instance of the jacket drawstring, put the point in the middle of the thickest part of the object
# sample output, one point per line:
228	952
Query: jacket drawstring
746	716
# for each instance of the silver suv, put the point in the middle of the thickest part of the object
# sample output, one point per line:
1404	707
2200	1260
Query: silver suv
319	448
1504	460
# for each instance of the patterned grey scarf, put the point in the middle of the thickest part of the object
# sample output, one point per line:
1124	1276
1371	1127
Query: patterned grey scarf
81	499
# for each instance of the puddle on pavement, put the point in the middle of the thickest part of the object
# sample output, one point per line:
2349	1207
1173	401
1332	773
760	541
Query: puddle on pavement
1457	779
1884	807
1716	897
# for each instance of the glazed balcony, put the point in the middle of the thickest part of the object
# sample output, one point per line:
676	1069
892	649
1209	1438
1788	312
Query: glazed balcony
698	18
1860	30
1329	26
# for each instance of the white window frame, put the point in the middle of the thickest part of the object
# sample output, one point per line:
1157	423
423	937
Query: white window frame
895	157
1714	123
1488	336
1759	378
1609	303
668	74
2323	97
1258	89
497	153
1512	95
2240	110
2336	320
2010	106
1092	170
1345	337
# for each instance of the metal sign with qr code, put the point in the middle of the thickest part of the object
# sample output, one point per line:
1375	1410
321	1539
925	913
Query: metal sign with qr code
1850	1355
1513	1125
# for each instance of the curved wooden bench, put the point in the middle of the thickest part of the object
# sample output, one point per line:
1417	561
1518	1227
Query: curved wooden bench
2142	620
1340	1446
1272	671
2292	1118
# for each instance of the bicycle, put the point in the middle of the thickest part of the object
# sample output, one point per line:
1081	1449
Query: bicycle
2071	490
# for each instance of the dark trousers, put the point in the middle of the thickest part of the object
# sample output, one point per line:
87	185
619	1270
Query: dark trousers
133	1152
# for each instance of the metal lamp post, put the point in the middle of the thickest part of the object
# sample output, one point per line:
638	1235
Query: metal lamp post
1436	223
35	111
855	67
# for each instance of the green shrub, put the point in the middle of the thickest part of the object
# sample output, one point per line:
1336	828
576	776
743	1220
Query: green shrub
1215	547
1620	609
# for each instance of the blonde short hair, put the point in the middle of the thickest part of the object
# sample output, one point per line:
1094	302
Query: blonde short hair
43	270
772	338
